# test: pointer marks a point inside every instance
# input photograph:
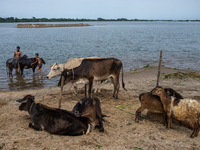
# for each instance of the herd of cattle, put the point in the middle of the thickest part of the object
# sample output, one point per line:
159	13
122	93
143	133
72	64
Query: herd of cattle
87	114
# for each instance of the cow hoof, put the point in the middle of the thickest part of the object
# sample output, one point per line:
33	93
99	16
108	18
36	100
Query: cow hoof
30	125
102	130
192	136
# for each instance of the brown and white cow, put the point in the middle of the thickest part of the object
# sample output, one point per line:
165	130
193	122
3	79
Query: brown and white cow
56	69
95	70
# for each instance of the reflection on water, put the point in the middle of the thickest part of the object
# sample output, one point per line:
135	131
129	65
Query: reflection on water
21	83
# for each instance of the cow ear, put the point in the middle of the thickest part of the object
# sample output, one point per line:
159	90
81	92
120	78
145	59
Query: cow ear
50	66
22	100
33	97
93	102
81	101
56	63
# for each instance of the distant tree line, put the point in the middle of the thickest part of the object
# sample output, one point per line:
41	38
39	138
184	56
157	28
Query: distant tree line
33	19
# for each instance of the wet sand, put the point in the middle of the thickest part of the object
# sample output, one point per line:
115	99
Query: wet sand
121	131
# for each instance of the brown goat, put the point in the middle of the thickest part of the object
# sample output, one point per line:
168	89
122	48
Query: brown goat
153	103
150	102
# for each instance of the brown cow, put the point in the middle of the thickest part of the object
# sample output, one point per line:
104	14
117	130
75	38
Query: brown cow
95	70
90	108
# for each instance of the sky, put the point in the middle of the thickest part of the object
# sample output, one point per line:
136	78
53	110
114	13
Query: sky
107	9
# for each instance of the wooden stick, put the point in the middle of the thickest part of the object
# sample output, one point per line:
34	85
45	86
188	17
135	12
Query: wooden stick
159	67
61	89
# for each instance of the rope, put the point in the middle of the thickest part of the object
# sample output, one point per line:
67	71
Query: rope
73	73
31	107
119	107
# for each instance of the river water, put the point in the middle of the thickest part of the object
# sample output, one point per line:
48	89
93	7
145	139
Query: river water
136	44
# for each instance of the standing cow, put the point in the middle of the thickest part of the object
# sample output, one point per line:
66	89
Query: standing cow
26	63
56	69
95	70
13	63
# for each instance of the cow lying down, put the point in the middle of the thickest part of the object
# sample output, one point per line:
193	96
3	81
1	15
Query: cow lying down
55	121
52	120
90	108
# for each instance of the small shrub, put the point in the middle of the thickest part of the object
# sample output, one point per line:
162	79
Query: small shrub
147	66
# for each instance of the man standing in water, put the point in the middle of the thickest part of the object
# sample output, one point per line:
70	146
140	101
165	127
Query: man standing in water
17	55
39	66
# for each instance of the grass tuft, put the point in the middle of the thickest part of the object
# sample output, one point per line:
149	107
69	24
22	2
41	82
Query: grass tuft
182	75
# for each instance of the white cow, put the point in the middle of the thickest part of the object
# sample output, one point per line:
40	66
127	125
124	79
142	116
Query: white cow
56	70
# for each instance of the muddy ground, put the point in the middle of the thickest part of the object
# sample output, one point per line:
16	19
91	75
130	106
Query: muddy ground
121	131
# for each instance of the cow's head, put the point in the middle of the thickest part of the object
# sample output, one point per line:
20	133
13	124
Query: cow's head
55	71
85	108
66	76
26	102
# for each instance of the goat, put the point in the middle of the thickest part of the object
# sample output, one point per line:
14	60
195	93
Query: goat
179	109
153	103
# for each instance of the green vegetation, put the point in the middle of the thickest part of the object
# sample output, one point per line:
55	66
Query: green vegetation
99	146
129	123
34	19
147	66
2	145
137	148
182	75
183	140
119	107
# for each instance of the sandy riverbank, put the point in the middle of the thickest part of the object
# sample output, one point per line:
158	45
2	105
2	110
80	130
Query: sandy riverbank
121	131
50	25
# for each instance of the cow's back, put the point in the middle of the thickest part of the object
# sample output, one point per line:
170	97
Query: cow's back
75	62
100	69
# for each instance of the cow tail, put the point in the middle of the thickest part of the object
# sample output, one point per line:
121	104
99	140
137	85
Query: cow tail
18	67
123	85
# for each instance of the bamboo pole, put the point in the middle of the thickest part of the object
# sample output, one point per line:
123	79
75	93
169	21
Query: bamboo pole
159	67
61	90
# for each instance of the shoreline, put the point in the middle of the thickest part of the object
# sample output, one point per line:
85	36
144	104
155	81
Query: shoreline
50	25
136	70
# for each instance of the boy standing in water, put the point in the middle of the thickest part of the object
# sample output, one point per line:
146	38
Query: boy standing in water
39	66
17	54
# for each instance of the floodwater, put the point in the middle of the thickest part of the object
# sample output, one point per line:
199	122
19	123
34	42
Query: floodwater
136	44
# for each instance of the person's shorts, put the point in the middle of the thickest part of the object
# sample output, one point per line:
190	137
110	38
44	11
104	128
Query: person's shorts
39	66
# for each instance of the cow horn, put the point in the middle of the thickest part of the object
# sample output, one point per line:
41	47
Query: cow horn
68	73
93	102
